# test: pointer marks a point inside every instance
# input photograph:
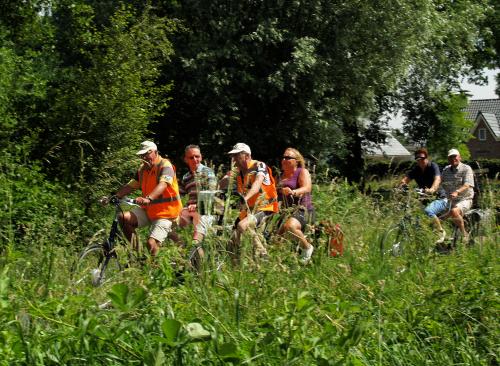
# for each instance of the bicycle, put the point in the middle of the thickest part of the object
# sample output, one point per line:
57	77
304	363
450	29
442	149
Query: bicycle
472	224
212	253
399	234
99	261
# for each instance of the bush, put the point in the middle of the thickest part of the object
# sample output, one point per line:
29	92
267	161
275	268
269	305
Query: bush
33	207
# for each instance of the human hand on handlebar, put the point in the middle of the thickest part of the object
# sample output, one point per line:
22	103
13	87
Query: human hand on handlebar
104	200
143	201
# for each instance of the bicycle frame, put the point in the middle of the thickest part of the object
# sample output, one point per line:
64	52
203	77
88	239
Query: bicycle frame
403	225
104	250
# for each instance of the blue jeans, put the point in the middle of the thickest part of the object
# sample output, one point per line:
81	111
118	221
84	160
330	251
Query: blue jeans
436	207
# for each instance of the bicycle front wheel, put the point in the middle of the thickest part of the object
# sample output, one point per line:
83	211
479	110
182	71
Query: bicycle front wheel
94	268
87	267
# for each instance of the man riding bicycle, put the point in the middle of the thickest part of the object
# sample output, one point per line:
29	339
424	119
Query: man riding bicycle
457	182
199	178
426	173
160	201
256	184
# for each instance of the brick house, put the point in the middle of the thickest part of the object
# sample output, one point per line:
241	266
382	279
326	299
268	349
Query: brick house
485	113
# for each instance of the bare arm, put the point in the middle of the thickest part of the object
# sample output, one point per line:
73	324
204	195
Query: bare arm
435	184
405	181
304	181
155	193
255	187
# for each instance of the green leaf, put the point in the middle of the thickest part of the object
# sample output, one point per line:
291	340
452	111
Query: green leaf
138	296
229	352
303	300
170	328
118	296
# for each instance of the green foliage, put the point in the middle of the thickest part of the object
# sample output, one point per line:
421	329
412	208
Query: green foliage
441	124
32	207
309	69
362	308
107	94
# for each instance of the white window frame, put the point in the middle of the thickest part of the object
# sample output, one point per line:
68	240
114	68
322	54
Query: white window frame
481	134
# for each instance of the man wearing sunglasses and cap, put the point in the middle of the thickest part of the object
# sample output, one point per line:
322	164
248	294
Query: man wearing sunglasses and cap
160	201
457	180
426	173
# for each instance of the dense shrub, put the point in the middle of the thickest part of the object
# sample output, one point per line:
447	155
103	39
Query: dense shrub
33	207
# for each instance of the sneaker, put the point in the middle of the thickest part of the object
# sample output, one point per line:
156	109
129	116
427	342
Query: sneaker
442	237
305	254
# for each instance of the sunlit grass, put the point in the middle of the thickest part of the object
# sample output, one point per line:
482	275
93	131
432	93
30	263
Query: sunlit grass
363	308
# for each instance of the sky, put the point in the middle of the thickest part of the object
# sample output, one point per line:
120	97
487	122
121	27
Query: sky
484	91
477	92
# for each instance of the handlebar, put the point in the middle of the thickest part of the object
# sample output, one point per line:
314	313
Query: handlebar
420	192
124	200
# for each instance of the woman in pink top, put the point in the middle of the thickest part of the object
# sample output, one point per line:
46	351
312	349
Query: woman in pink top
295	190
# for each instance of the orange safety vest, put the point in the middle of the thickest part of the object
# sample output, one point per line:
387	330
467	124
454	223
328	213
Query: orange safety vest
267	197
169	205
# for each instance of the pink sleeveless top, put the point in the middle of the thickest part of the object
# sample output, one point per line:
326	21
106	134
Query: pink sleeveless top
293	183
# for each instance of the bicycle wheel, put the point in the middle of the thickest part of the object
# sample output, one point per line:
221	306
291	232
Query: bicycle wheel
87	268
392	240
111	268
94	268
195	259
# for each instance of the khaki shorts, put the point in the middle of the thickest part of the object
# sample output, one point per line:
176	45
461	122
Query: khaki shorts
159	229
464	206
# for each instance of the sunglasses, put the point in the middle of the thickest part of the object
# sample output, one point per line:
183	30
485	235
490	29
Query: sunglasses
420	158
286	157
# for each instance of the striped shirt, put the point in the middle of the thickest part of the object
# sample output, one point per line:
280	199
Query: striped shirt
453	178
191	184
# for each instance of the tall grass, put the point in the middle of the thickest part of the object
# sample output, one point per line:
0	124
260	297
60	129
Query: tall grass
360	309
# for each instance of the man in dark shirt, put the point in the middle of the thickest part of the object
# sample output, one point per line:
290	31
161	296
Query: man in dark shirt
426	173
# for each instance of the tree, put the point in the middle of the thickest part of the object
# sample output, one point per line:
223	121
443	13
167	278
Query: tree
440	125
304	73
458	42
106	93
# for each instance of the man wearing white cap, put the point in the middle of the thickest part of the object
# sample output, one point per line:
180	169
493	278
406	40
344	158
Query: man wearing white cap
457	180
160	201
256	184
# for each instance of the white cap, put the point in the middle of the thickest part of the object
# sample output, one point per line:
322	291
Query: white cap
453	152
240	147
147	146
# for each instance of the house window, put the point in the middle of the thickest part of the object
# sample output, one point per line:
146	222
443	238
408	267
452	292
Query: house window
481	134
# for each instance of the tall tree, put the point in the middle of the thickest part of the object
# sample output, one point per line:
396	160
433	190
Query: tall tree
457	43
106	93
441	124
305	73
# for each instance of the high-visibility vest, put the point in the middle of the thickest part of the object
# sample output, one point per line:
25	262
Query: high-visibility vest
267	197
169	205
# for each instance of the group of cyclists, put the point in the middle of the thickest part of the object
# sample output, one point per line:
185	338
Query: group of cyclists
454	187
160	206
